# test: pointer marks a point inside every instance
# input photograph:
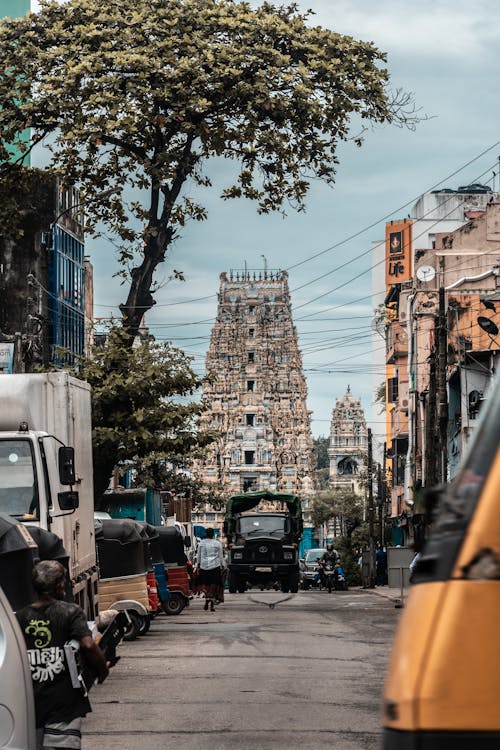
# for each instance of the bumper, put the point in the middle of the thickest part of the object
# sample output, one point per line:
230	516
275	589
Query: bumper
279	570
396	740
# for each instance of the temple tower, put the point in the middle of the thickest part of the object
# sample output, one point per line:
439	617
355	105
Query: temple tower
348	448
256	392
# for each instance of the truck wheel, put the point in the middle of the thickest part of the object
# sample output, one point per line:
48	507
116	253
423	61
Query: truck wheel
242	587
293	582
285	587
232	583
174	604
133	627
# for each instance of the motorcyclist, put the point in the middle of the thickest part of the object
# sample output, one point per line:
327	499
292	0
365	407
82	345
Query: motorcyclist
330	556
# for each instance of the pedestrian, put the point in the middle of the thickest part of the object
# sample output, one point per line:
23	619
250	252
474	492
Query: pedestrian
381	566
210	564
47	625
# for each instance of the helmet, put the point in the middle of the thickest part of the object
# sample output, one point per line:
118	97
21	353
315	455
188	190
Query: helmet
329	547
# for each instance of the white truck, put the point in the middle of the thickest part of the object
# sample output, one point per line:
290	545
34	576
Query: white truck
46	467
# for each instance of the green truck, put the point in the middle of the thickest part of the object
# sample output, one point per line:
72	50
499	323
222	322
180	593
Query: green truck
263	545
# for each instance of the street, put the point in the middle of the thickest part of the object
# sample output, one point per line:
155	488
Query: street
306	673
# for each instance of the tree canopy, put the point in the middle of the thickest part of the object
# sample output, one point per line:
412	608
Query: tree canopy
141	413
145	92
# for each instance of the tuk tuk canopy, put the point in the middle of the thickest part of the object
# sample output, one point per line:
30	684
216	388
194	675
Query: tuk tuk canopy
248	500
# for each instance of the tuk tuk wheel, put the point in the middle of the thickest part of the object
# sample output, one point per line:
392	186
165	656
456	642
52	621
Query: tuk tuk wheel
133	628
144	624
174	604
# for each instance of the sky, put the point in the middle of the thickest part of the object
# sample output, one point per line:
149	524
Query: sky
446	53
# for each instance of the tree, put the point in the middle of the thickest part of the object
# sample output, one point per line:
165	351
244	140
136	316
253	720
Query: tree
141	414
145	92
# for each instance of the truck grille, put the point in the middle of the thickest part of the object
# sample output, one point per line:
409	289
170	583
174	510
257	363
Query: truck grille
262	552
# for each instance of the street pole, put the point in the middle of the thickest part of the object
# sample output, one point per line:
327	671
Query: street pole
442	389
371	514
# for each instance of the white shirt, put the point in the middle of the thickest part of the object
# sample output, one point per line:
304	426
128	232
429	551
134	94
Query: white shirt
209	554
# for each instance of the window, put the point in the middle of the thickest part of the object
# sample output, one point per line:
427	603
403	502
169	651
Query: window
250	385
251	357
251	309
249	457
251	332
250	420
392	390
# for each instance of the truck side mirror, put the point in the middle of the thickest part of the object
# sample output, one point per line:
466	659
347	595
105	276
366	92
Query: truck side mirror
67	465
68	500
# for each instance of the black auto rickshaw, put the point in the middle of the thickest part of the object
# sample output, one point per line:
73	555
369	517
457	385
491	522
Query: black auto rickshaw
123	572
172	549
17	553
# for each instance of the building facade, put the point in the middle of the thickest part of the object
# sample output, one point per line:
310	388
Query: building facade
441	348
42	278
256	391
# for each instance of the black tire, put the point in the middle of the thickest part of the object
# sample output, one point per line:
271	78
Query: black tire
305	586
232	583
174	604
285	587
329	582
144	624
242	587
133	627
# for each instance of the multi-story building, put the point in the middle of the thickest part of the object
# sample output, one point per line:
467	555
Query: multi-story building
256	391
434	290
42	278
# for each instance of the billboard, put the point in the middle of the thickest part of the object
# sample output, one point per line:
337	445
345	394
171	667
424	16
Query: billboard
398	241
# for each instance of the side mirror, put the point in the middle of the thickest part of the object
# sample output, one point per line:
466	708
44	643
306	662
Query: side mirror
187	541
67	465
68	500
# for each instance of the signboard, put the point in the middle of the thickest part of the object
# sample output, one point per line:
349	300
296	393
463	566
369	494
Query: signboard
398	240
6	358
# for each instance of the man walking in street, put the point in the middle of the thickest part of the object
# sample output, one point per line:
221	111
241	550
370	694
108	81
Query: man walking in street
47	625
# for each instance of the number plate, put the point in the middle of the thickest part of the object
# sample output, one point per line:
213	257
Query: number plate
263	570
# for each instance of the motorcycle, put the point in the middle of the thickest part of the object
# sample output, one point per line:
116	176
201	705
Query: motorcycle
329	575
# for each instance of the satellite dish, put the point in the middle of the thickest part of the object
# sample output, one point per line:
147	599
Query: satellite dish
487	325
426	273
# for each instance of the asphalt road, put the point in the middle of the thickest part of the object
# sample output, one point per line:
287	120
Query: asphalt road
305	674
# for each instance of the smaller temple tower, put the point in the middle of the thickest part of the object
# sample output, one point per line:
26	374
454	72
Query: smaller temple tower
348	447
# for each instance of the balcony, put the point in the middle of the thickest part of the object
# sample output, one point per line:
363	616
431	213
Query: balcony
397	342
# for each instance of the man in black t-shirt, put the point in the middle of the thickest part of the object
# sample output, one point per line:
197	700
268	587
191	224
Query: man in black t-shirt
47	625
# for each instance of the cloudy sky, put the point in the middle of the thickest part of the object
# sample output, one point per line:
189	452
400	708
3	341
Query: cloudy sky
446	53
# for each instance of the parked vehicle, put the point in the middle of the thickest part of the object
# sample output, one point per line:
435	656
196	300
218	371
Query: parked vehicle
263	545
123	581
172	550
46	467
139	504
309	567
341	582
17	707
443	679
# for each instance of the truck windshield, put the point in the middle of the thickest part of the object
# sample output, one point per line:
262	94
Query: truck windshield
18	488
262	525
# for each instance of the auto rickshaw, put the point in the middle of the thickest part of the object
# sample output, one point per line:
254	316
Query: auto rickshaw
172	549
123	582
443	684
149	536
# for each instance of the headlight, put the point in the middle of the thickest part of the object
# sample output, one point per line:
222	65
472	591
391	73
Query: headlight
237	555
288	555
